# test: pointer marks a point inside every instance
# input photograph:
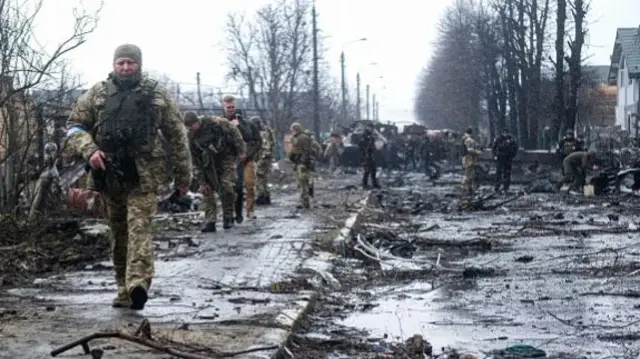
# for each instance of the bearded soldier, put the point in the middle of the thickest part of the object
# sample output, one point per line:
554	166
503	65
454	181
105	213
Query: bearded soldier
301	156
263	165
118	126
215	143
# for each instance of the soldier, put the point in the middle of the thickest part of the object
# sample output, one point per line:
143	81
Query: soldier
368	149
568	144
263	165
316	153
332	151
428	162
215	144
575	166
301	156
504	149
246	165
470	154
410	153
115	127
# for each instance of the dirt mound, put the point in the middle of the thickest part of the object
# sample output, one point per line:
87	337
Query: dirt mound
37	248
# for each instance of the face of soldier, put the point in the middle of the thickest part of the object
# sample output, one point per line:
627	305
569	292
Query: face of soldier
125	67
195	127
230	109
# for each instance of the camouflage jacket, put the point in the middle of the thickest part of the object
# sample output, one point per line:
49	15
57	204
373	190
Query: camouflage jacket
473	152
268	143
302	149
152	167
316	148
333	147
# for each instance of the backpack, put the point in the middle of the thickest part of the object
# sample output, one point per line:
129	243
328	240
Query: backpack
462	148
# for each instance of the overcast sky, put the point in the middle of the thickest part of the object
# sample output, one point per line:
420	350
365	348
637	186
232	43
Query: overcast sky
180	38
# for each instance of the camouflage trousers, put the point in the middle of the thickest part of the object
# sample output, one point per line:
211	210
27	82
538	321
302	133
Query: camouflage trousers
263	167
226	192
333	163
250	185
469	179
303	178
130	219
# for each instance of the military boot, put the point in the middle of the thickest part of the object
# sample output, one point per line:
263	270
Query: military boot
209	228
261	200
227	223
138	297
122	298
268	199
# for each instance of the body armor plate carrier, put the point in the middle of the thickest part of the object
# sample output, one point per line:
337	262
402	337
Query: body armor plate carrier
127	128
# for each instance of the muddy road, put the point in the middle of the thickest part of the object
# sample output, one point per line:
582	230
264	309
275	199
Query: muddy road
543	273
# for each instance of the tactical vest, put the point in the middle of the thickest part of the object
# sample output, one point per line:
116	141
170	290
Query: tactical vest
128	120
212	138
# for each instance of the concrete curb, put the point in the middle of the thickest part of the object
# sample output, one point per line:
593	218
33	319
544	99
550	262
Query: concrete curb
322	264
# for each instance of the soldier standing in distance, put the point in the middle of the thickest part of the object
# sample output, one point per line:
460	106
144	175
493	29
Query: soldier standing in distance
368	147
505	149
301	156
332	151
469	161
215	144
115	127
263	165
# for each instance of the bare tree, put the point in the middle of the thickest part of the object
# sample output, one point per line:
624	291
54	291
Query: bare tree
579	9
271	54
24	67
561	19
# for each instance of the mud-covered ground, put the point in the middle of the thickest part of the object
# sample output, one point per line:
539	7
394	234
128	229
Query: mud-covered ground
543	273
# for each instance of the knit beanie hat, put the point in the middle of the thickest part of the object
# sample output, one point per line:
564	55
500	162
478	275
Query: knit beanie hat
130	51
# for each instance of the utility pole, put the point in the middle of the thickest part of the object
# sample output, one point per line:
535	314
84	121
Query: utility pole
368	118
316	85
373	104
343	89
200	103
358	115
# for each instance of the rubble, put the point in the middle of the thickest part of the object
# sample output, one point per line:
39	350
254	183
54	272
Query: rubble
30	249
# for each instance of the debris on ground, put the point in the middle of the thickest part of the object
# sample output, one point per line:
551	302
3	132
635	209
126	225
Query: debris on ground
30	249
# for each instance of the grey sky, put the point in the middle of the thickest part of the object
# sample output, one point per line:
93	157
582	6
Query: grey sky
181	38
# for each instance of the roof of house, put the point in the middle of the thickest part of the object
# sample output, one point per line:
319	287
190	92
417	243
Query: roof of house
627	44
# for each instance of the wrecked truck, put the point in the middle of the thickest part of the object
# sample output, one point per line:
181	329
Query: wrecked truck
352	156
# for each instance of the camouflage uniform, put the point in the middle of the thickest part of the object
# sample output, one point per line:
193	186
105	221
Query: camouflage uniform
469	162
316	152
368	147
227	143
130	212
301	156
246	169
263	165
332	152
575	166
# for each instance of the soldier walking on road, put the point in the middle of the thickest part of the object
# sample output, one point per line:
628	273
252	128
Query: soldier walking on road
263	165
246	166
215	145
368	148
332	151
301	156
470	154
316	153
505	149
115	127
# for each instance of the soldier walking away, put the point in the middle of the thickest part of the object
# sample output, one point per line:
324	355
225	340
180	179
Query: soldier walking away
332	151
427	150
470	154
575	167
368	148
264	162
316	153
215	145
505	149
410	147
115	127
246	165
300	155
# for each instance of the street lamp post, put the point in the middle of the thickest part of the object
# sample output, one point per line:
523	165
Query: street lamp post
358	118
368	118
342	70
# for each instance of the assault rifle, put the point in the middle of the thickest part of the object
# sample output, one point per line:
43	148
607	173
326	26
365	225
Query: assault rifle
207	156
121	172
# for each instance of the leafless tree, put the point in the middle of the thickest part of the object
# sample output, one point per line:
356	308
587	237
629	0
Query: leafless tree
25	66
579	9
561	19
271	54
